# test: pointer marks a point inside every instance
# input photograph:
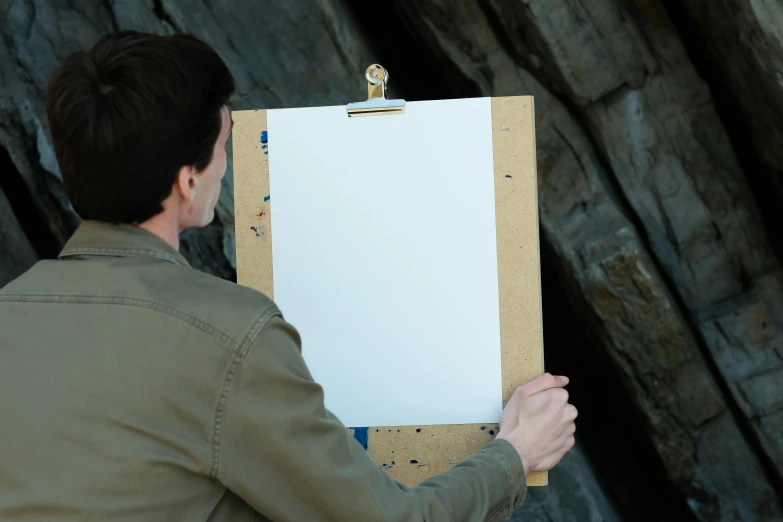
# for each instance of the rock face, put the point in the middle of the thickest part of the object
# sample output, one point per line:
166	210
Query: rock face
573	495
13	239
658	255
744	38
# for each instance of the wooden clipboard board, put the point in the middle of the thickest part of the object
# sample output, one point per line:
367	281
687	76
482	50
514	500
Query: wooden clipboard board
411	454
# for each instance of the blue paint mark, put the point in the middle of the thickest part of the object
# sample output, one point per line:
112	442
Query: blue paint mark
254	229
483	428
360	434
508	176
418	430
266	198
393	463
491	432
265	140
414	462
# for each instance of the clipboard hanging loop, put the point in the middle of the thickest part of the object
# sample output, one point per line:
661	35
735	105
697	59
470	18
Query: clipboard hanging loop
377	104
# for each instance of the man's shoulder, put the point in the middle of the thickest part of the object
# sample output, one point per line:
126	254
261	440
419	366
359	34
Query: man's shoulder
233	308
212	304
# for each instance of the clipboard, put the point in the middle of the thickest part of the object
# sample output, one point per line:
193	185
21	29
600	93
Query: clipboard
411	454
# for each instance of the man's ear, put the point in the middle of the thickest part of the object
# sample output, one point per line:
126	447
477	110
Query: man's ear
185	183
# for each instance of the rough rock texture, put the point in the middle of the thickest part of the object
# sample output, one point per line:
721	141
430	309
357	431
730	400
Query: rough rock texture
655	250
19	254
682	180
676	168
745	39
581	49
573	495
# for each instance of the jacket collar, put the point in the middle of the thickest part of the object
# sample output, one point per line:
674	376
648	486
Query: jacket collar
96	238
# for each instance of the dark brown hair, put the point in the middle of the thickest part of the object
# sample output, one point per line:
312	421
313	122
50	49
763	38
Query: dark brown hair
128	114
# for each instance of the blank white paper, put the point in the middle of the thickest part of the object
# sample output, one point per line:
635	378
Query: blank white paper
385	260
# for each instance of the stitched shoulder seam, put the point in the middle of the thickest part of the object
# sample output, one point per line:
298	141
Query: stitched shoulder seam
114	251
225	339
239	356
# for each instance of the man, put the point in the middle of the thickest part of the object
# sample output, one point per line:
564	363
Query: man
136	388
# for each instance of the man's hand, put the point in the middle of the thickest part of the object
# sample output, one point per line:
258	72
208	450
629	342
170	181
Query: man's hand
539	422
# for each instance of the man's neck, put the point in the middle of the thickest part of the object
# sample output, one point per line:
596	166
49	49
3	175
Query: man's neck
164	227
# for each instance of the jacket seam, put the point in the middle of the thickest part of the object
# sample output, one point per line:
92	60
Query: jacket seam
228	380
498	512
222	337
110	251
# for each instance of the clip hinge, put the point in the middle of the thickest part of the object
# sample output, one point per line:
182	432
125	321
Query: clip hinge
377	103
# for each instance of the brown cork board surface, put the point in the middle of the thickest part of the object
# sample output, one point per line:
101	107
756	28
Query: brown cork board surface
411	454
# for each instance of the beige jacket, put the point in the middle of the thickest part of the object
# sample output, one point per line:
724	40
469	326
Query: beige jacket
135	388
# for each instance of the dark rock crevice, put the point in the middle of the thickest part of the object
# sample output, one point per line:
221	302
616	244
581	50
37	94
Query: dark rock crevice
739	129
164	16
610	427
416	71
108	4
23	207
203	249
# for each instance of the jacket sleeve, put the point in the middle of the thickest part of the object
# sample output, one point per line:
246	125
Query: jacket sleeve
288	457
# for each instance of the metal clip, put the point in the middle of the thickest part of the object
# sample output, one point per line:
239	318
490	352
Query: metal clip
376	104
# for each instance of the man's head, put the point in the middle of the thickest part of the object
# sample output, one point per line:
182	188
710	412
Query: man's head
139	125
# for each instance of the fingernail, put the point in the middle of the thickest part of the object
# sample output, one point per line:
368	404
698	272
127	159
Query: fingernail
566	379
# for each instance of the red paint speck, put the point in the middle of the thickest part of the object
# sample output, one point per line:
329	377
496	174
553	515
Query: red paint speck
261	214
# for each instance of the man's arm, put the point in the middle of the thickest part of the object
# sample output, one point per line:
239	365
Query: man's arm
291	459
